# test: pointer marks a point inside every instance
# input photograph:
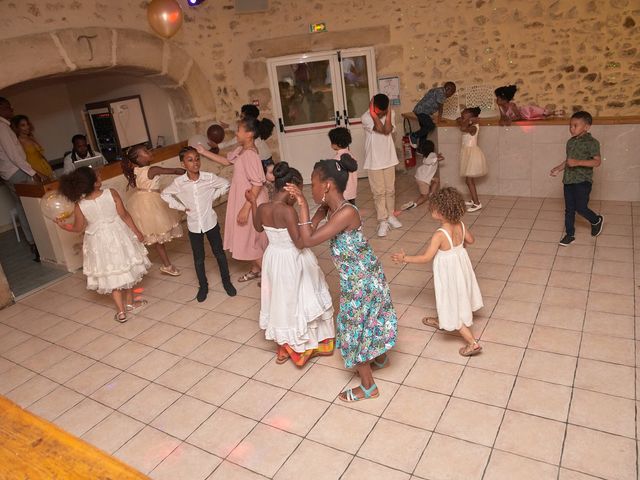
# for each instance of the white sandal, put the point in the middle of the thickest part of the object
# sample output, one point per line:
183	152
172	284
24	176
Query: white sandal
120	317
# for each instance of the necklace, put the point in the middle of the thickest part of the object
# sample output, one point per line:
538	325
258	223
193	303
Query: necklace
330	214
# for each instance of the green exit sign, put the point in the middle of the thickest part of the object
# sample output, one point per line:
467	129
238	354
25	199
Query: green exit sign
318	27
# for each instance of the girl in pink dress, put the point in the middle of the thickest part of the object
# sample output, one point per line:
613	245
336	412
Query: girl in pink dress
510	112
240	238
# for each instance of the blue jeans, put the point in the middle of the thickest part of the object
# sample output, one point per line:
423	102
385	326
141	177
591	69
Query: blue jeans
576	199
426	127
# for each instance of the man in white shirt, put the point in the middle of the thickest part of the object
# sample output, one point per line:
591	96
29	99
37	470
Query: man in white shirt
194	193
81	151
14	168
381	160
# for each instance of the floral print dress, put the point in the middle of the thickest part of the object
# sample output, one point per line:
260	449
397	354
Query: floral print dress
367	324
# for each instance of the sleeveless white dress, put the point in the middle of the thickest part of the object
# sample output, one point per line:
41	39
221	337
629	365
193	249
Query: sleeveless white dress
113	258
472	160
457	291
295	303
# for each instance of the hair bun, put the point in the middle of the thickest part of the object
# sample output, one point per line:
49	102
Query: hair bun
281	170
347	163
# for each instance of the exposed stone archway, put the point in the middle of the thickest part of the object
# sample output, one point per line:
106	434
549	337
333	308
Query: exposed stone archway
90	50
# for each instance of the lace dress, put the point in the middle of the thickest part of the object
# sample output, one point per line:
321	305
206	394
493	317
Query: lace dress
366	324
113	258
157	222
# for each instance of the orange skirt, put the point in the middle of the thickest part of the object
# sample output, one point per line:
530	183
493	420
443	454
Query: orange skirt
325	348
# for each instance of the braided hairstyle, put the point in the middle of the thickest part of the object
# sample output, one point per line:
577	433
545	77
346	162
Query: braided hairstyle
336	170
129	162
284	174
449	203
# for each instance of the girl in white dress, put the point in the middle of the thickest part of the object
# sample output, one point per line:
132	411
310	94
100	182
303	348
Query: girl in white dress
114	259
296	310
457	291
472	161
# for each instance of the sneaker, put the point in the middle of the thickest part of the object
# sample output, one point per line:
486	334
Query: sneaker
202	294
383	229
468	203
230	289
596	228
408	206
394	222
474	208
566	240
413	140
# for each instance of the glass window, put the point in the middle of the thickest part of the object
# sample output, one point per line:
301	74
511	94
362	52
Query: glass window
356	85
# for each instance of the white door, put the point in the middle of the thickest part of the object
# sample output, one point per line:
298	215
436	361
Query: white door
315	92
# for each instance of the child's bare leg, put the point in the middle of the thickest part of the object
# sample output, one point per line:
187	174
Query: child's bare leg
256	265
128	296
467	335
162	253
421	199
434	186
118	299
471	183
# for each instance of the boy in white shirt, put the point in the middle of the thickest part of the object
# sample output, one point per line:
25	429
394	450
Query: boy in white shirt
381	160
194	193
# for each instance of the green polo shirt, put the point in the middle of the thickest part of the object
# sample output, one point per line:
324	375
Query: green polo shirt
584	147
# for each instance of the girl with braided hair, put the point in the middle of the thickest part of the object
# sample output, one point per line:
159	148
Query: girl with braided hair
158	223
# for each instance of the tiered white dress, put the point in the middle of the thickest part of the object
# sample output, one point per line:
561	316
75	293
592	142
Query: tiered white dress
472	160
296	306
113	257
457	291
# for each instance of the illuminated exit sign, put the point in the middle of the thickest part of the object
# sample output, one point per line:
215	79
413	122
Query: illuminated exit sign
318	27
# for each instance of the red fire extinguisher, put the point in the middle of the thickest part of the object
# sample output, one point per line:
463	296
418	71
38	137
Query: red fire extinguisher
408	152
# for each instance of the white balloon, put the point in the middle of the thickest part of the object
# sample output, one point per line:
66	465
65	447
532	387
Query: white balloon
56	206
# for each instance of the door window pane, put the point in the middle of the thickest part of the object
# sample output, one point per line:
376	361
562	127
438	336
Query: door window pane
306	92
356	85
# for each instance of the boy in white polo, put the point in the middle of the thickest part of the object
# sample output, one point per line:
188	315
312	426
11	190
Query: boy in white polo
381	160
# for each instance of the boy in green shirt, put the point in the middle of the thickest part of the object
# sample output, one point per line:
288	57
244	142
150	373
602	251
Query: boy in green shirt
583	155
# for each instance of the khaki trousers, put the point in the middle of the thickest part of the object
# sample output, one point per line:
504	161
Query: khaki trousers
383	187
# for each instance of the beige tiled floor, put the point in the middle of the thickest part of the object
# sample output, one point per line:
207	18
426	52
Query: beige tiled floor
191	391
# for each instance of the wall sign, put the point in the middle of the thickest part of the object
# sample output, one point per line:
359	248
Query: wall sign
390	86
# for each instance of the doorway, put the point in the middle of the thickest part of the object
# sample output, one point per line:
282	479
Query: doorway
315	92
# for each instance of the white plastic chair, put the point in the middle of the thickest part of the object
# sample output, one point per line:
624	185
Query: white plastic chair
14	217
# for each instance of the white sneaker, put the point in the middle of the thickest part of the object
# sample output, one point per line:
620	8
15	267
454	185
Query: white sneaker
474	207
469	203
394	222
408	206
383	229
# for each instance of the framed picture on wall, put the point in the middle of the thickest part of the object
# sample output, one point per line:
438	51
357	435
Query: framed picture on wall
390	86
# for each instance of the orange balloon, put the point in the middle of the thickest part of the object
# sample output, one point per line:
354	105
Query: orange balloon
165	17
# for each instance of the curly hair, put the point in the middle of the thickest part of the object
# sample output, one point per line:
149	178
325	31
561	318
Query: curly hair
449	203
77	184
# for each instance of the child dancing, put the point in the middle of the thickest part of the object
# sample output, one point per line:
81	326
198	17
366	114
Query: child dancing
194	192
427	176
472	161
457	291
158	223
367	323
240	238
340	139
296	310
510	112
114	259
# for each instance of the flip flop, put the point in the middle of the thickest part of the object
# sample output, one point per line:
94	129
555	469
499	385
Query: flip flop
351	397
431	322
470	350
249	276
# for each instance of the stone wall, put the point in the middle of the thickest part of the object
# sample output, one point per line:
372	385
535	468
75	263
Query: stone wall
562	53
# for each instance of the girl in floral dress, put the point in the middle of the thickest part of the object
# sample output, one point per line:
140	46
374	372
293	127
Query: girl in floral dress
367	323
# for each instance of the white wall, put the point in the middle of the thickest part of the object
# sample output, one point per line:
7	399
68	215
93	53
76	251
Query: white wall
55	105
